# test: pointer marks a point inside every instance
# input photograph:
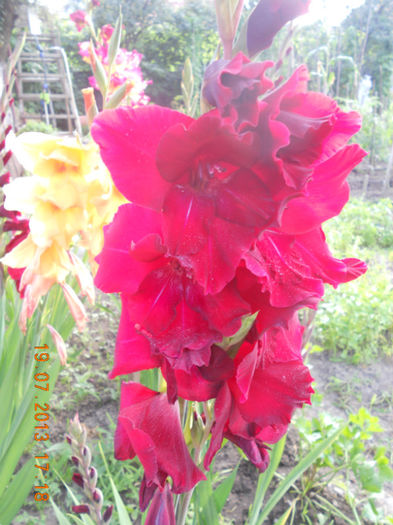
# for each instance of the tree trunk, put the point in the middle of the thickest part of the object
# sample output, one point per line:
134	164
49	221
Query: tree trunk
386	181
8	18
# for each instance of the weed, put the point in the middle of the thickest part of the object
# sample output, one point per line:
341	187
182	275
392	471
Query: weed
361	224
349	467
355	322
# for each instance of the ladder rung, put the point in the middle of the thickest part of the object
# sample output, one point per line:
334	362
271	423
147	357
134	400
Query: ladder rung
38	96
39	77
40	38
39	116
36	57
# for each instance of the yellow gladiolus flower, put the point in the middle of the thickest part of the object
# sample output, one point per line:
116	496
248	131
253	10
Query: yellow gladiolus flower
52	262
70	196
48	155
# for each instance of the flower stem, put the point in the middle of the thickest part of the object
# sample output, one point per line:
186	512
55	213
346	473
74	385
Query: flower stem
184	507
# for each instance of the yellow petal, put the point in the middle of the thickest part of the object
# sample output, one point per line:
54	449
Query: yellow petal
59	343
76	307
51	224
22	255
84	277
20	194
55	263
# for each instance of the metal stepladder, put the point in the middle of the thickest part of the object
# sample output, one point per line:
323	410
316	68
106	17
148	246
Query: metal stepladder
43	85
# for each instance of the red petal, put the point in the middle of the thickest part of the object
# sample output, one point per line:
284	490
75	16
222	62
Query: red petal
206	139
243	199
236	84
325	194
222	408
128	140
275	392
268	18
256	452
153	428
224	310
133	351
161	510
209	246
203	383
118	271
287	278
315	253
162	313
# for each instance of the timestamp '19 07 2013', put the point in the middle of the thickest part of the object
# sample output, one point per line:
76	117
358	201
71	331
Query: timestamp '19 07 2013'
41	416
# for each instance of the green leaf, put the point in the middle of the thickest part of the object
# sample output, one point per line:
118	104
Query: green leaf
369	477
99	73
284	518
114	42
61	517
86	520
21	431
221	493
15	55
205	508
265	478
8	381
120	507
293	475
17	492
117	96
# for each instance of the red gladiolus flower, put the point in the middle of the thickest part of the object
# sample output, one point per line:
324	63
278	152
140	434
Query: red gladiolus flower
199	174
149	427
255	405
79	19
268	18
106	32
224	223
162	304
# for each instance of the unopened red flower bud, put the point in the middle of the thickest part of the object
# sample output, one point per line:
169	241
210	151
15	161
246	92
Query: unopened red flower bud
2	145
79	19
7	213
78	479
4	179
7	157
81	509
98	496
93	477
7	130
69	440
107	514
75	460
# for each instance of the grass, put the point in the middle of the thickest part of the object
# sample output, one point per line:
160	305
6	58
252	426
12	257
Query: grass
354	322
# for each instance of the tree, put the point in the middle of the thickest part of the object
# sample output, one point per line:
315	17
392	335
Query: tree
368	38
166	35
9	13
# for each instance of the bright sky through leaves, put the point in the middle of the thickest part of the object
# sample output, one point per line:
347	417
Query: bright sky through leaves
331	11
